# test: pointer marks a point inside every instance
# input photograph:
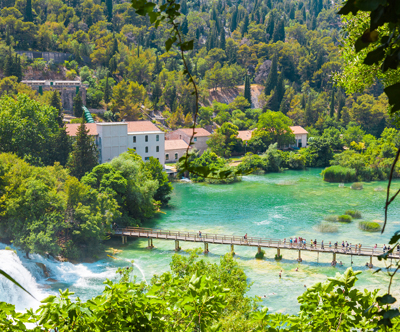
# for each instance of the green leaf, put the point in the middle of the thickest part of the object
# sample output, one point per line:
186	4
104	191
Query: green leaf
368	5
5	274
187	46
386	299
169	42
395	238
349	7
375	56
392	313
393	93
360	45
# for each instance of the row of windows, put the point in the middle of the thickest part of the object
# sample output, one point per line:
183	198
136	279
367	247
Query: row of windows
167	156
146	149
146	138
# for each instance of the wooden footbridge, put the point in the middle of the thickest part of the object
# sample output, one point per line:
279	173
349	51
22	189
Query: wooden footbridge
206	239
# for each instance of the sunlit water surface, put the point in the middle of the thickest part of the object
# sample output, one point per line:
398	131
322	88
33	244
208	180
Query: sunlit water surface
276	206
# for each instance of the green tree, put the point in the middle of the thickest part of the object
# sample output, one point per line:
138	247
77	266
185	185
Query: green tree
107	91
84	155
164	185
332	105
272	78
279	31
234	19
55	101
247	89
109	5
78	104
245	25
222	42
28	11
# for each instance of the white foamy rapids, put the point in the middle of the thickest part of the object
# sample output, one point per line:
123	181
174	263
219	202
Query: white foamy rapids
9	292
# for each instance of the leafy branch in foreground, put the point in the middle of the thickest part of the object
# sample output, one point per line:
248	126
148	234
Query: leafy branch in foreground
7	276
169	13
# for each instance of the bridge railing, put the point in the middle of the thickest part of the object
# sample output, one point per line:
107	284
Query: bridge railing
253	241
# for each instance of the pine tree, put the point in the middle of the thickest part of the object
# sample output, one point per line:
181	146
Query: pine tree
332	108
78	111
28	11
222	42
55	101
107	91
109	6
84	154
247	89
272	78
234	19
245	25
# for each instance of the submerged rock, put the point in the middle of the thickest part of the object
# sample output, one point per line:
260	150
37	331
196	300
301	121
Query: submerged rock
44	269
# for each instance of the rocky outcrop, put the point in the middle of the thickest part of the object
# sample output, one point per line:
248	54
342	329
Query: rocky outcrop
229	94
44	269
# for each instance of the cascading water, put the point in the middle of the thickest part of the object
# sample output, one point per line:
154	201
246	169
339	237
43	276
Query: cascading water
11	264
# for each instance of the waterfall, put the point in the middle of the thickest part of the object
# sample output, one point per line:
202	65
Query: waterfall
11	264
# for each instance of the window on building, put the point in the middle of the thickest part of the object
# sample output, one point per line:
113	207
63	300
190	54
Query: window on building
134	139
147	158
195	139
176	156
167	156
157	148
146	149
157	138
146	138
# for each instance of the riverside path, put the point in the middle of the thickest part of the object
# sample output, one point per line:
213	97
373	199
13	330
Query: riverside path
150	234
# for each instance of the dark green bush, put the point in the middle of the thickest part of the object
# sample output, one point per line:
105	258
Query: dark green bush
260	255
355	214
369	226
344	218
339	174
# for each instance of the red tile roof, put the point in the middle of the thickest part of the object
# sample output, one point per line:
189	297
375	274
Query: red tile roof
72	128
298	130
141	126
199	132
245	135
175	144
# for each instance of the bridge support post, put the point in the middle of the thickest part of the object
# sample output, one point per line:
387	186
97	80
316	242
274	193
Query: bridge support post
206	248
177	247
232	250
370	262
150	243
334	259
124	239
299	259
278	255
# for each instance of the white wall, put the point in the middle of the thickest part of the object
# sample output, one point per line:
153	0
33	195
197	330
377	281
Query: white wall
171	155
113	140
303	138
151	144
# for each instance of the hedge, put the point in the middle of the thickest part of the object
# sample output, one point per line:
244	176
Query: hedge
339	174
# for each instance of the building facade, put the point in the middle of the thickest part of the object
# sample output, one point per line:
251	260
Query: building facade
200	138
300	135
114	138
68	90
174	149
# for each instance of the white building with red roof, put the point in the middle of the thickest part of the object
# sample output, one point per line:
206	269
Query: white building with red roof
200	138
300	135
114	138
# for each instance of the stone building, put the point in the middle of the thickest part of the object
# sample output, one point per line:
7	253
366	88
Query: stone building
67	89
174	149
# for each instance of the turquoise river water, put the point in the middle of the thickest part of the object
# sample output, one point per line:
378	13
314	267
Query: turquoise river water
280	205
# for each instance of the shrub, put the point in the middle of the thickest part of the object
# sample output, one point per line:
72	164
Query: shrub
325	227
357	186
344	218
331	218
369	226
260	255
339	174
278	257
7	248
355	214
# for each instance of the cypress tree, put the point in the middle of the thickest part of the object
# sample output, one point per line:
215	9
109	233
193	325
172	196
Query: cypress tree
270	24
62	147
18	68
184	26
28	11
303	101
332	108
84	154
341	103
8	38
107	91
157	92
222	42
292	12
78	111
279	31
279	92
308	114
109	6
8	64
245	25
114	48
55	101
184	9
272	78
247	89
234	19
158	66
